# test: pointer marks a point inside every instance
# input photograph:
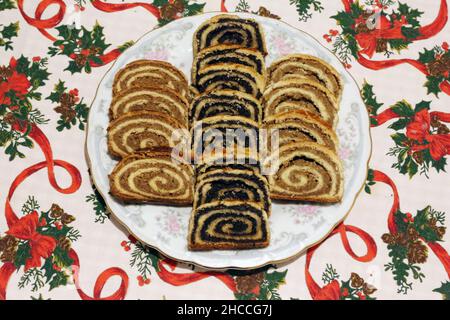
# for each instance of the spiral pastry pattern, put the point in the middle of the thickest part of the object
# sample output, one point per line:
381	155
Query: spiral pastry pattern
307	171
225	134
150	98
299	125
309	67
229	29
229	54
225	102
230	76
140	131
151	72
152	177
306	95
228	183
228	225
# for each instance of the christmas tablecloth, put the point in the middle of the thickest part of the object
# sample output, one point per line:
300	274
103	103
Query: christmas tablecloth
57	240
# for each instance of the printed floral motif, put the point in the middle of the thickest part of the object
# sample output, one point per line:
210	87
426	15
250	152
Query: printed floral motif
407	249
85	48
7	33
354	288
437	64
425	140
7	4
101	211
243	6
71	108
258	285
175	9
368	29
19	85
40	243
304	8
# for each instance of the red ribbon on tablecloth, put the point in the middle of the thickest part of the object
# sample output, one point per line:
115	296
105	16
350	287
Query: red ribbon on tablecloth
115	7
332	290
223	8
57	18
181	279
367	41
23	227
438	250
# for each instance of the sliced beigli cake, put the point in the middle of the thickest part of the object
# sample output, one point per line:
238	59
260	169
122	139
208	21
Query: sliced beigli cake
225	102
151	72
232	54
224	134
140	131
231	183
306	171
150	98
229	29
300	94
228	225
152	177
230	76
299	125
306	66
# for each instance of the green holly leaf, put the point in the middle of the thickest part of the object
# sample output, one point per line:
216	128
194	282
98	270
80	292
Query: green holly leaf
410	33
432	85
59	279
160	3
61	257
370	99
7	4
403	108
399	124
193	9
427	56
399	138
22	254
49	271
343	19
444	289
422	105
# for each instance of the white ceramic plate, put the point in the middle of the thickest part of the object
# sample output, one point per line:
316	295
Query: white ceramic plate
294	227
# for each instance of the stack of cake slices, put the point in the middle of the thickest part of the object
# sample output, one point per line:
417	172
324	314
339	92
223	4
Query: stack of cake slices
150	103
231	202
302	101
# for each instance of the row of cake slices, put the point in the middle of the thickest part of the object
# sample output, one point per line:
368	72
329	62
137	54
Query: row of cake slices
150	102
231	200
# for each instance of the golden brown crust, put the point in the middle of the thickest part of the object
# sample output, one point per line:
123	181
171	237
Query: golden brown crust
164	196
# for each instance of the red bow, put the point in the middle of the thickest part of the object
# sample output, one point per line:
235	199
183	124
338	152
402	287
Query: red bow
331	291
40	246
368	40
419	130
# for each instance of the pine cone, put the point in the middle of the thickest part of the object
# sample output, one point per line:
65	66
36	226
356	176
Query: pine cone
245	284
436	68
9	118
7	256
443	129
263	12
440	231
67	100
8	243
368	289
64	243
362	28
168	11
5	72
417	252
80	60
356	280
388	238
401	239
56	211
418	157
445	59
412	233
179	5
381	45
67	218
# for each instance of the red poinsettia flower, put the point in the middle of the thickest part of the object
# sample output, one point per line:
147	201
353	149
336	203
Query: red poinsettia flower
17	82
419	128
40	246
439	145
331	291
